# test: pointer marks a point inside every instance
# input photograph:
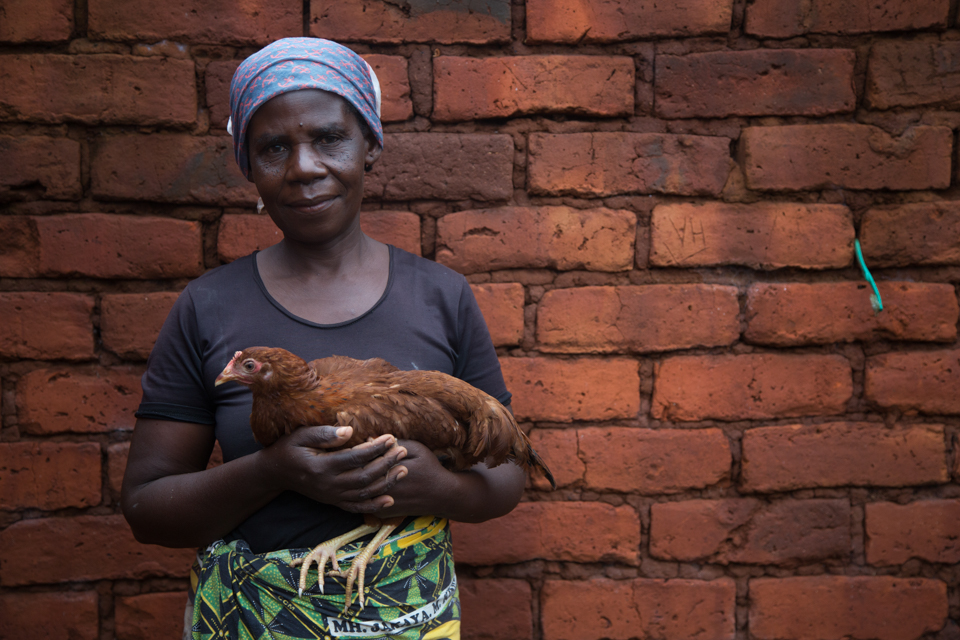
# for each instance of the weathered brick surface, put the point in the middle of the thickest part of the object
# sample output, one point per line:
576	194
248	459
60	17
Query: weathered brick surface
881	607
26	21
445	166
168	167
394	86
81	549
218	21
46	326
925	381
650	462
471	88
117	465
97	89
812	82
852	156
496	609
130	322
798	313
556	390
573	22
242	234
559	448
750	386
564	531
19	247
908	74
49	616
381	21
53	164
925	529
49	475
217	76
604	164
537	237
150	616
502	308
787	18
749	531
67	401
760	236
624	609
925	233
840	454
103	245
648	318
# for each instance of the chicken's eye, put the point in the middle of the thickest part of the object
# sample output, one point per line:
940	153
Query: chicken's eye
249	365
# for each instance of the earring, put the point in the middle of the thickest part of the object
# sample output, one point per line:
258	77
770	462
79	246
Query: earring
260	205
368	168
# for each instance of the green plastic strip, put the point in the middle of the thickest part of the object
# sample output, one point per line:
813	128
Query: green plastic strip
875	300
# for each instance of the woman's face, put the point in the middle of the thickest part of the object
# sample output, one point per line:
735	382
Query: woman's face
307	156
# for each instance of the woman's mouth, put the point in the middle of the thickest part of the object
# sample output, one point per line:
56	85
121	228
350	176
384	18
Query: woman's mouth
311	205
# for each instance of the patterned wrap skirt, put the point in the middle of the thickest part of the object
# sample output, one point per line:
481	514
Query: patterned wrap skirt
411	592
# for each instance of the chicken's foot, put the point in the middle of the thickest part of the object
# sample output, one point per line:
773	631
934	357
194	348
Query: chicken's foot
358	567
328	551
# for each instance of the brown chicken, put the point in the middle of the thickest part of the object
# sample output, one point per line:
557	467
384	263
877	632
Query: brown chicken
459	423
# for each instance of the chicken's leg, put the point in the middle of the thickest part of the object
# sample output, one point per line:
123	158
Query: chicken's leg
359	565
328	551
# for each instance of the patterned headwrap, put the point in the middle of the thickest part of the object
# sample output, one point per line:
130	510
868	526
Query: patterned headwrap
292	64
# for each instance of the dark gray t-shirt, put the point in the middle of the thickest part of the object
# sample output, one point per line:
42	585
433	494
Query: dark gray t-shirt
427	318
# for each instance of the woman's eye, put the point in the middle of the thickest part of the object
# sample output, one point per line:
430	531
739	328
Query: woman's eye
331	139
274	149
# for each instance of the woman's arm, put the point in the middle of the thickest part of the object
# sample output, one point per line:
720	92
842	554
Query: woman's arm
170	498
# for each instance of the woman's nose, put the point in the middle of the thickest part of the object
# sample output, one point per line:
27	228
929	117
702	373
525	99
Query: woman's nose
307	164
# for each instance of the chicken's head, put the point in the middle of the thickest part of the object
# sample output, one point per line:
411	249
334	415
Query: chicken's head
262	365
243	368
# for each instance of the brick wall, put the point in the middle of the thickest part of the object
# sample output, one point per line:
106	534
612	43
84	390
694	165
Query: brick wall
656	204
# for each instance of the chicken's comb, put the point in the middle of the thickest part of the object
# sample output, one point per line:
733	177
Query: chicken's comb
236	355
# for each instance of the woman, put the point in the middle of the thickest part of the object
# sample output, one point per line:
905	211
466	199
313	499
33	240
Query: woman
306	127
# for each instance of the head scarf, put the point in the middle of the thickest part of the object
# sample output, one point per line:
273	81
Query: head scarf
292	64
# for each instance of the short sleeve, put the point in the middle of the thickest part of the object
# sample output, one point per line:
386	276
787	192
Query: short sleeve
477	361
173	386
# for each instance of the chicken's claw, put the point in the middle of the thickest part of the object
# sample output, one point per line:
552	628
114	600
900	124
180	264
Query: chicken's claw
327	551
358	568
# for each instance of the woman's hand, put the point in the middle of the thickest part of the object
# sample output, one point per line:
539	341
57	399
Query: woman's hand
353	479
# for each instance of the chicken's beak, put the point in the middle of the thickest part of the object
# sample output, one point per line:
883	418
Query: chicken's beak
229	372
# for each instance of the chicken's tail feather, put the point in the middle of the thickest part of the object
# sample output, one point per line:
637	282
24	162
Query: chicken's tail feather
537	462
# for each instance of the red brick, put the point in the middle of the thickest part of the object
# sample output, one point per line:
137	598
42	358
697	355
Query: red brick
472	88
787	18
796	313
53	164
444	166
908	74
837	454
548	389
925	381
502	307
852	156
49	475
130	322
659	317
215	21
66	401
381	21
537	237
98	89
26	21
749	531
562	531
926	529
19	247
49	616
923	233
395	102
750	386
104	245
812	82
576	21
152	616
168	167
606	164
651	462
117	465
495	609
558	447
835	607
399	228
217	78
766	235
81	549
41	326
641	608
